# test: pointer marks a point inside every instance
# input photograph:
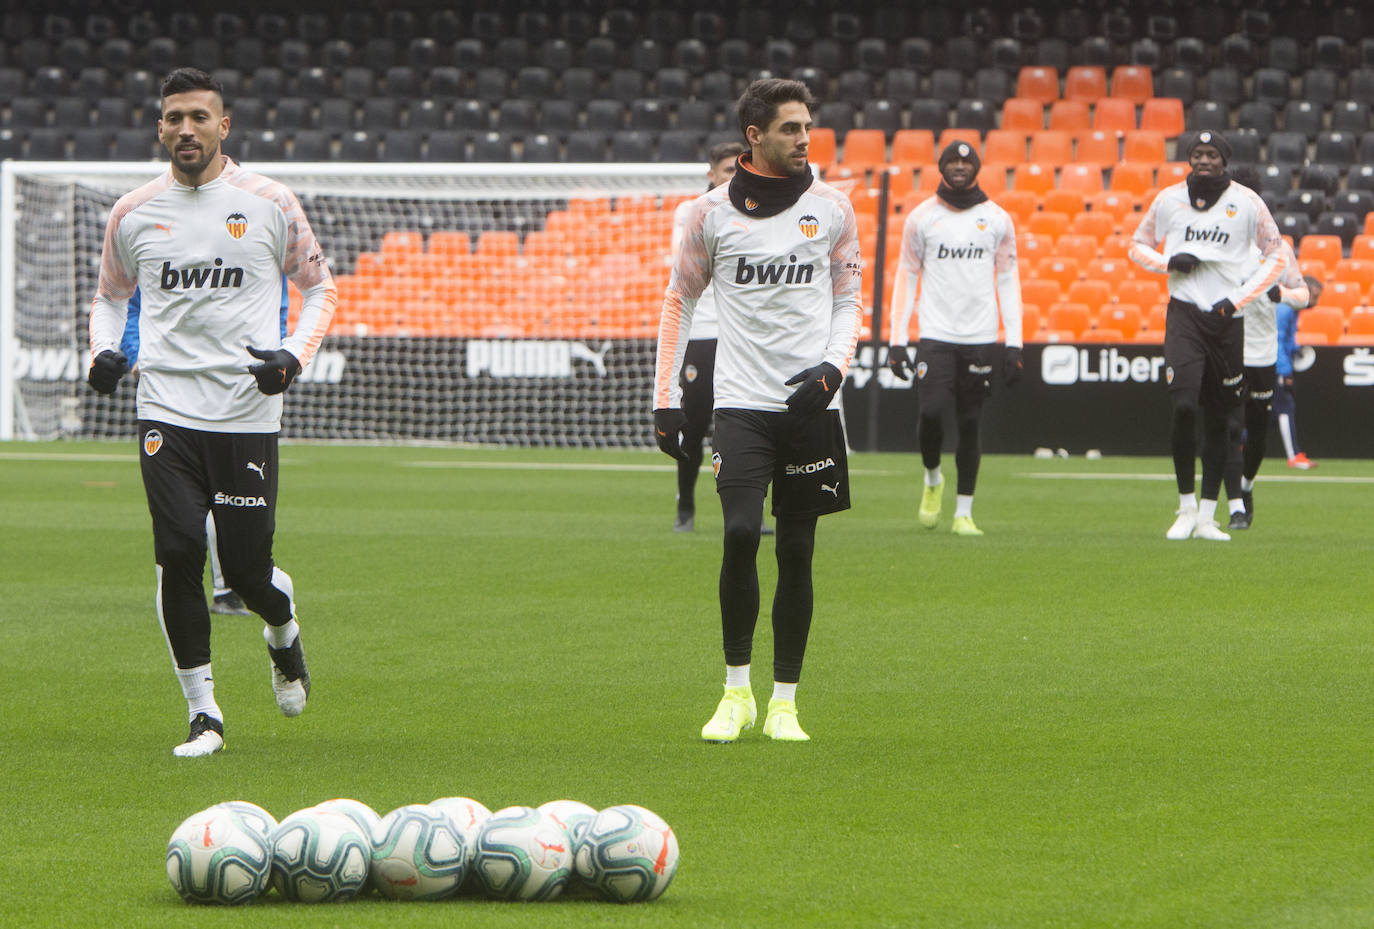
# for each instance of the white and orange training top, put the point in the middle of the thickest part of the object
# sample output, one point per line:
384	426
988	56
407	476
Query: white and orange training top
1261	323
1221	237
787	291
958	269
704	319
209	262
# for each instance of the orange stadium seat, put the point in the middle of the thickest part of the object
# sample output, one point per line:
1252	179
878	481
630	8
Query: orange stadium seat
1114	271
492	242
1093	222
1033	177
1081	248
1135	83
1117	246
1356	270
1031	318
1313	267
1069	202
1142	291
1048	223
449	242
1085	82
1114	203
1070	115
1097	146
993	177
928	180
402	242
822	148
1126	318
1143	146
1344	295
1019	203
1089	291
1007	146
1041	291
1032	245
915	147
1170	173
1073	318
1083	176
1321	324
1063	271
1114	114
1362	246
900	182
1038	82
1095	334
1325	248
864	149
1163	115
1023	114
1051	147
1130	221
1359	327
1369	223
1132	177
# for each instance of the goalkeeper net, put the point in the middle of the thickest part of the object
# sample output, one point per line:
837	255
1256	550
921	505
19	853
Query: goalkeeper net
489	304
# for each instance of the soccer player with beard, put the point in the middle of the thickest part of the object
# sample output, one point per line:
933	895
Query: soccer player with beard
782	249
1211	228
206	244
957	267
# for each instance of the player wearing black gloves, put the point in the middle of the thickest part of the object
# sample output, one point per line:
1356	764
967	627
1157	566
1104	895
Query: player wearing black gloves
277	370
106	370
959	253
1213	229
781	249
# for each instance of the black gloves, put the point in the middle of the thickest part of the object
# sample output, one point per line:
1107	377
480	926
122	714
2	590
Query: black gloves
1012	366
668	425
899	362
818	386
1274	294
1183	262
1225	307
106	370
278	369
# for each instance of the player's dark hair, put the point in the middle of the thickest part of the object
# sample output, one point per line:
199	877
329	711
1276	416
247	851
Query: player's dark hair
758	106
723	150
186	79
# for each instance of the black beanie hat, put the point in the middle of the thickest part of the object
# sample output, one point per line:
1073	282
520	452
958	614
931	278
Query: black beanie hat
960	150
1216	140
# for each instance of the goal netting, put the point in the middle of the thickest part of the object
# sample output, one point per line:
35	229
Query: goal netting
489	304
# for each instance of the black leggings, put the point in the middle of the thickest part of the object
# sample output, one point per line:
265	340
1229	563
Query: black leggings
1184	443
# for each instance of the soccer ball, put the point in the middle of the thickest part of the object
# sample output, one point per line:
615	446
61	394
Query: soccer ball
252	813
319	856
418	854
362	814
522	854
221	855
572	815
468	815
628	854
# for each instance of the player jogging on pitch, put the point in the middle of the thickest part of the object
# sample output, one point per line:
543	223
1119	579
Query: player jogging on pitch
207	244
1211	227
957	267
783	251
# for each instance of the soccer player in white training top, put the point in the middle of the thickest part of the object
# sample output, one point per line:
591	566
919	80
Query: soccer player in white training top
207	244
782	249
1210	228
1248	427
958	268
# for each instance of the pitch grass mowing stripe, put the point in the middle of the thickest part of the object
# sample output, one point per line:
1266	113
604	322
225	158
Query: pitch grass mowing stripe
1069	722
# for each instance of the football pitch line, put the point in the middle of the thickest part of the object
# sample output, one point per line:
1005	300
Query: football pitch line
576	466
1138	476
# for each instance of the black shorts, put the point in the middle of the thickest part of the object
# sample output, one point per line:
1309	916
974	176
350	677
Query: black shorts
804	459
1204	355
1259	383
698	387
949	371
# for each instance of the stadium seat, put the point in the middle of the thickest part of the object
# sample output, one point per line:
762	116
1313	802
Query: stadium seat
929	114
1070	115
1308	202
821	150
975	114
1133	82
1072	318
1345	225
1177	83
1112	203
910	147
1113	271
1050	223
1163	115
1037	82
1257	116
1091	221
1097	147
1350	116
1081	248
1344	295
1033	177
1023	114
1356	270
1320	325
1090	291
1004	146
1019	203
1270	86
1031	319
1124	318
1032	246
1142	291
1087	83
1051	147
1114	114
1359	327
1224	85
1081	177
864	150
1143	146
1063	271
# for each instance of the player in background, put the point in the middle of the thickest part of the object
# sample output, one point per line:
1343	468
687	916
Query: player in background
782	248
224	601
1211	228
1285	402
699	362
957	267
207	244
1248	429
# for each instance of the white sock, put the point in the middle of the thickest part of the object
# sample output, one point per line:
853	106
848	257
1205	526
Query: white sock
1247	484
198	685
783	691
1206	509
1187	501
737	675
963	505
933	477
1235	506
281	636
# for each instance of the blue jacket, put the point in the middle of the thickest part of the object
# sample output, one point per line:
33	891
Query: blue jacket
1286	319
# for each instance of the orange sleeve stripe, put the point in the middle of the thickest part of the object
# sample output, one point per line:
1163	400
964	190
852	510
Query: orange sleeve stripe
669	337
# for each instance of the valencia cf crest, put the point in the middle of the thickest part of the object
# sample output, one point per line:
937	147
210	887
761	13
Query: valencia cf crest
809	226
715	464
1200	203
1169	374
689	374
237	224
921	369
152	442
751	204
1230	211
982	224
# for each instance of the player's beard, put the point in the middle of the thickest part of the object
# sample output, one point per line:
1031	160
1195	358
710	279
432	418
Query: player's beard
197	167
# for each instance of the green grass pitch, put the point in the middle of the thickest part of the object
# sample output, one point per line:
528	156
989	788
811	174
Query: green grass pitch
1067	723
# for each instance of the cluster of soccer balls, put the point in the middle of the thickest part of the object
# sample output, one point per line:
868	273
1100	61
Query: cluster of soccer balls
234	852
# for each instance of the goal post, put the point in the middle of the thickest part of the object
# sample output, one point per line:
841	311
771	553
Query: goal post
511	304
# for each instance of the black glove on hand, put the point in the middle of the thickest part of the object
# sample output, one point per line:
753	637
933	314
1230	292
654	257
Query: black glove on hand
106	370
899	362
1183	262
278	369
1274	294
1225	307
818	385
668	424
1012	366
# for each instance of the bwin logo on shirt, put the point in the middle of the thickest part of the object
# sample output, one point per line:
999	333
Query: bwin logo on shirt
778	272
196	278
968	251
1215	234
